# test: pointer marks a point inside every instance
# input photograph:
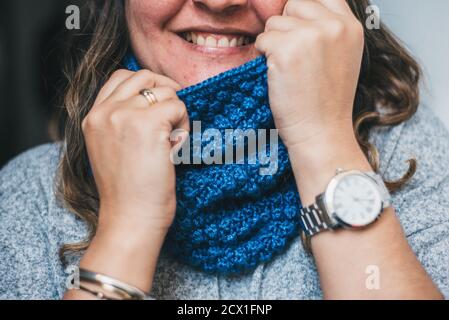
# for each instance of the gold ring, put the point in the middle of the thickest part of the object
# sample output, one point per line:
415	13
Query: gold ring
150	96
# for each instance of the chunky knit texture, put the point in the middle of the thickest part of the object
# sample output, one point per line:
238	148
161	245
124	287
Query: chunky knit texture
34	226
229	217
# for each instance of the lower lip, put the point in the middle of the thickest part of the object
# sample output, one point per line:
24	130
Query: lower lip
217	50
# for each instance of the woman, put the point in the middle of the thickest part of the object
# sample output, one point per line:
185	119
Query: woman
118	183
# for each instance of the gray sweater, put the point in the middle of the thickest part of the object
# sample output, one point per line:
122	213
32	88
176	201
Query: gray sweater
33	226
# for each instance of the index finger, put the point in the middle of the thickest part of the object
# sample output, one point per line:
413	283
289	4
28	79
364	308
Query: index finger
117	78
143	79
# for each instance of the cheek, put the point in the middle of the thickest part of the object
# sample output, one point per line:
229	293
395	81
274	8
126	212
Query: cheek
149	16
269	8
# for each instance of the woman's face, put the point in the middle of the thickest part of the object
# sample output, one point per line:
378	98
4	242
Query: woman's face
192	40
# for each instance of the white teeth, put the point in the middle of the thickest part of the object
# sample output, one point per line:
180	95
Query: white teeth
223	42
212	42
200	41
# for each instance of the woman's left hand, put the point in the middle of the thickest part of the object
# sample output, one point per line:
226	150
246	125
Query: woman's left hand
314	52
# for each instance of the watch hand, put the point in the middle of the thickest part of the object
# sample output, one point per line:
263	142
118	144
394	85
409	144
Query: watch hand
361	200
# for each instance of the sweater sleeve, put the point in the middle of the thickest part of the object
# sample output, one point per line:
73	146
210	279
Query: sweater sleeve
24	267
423	204
25	261
430	241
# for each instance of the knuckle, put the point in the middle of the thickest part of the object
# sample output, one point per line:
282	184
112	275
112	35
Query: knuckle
283	58
317	35
91	121
181	106
336	28
358	29
290	7
116	117
146	73
270	22
120	73
179	109
259	39
171	92
84	125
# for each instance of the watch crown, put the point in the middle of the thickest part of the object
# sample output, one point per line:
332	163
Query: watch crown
339	171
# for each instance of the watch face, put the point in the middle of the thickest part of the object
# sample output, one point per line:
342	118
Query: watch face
356	200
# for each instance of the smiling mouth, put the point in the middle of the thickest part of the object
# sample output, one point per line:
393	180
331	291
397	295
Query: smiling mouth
210	40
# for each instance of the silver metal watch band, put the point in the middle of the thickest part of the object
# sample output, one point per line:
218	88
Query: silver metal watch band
311	221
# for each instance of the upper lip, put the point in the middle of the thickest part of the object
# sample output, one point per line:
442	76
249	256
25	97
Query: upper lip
218	30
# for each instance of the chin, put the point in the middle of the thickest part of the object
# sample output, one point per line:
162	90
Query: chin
201	71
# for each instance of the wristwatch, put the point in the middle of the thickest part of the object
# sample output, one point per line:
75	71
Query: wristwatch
352	200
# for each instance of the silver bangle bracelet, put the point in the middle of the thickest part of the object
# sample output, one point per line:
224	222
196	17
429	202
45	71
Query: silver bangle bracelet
123	290
97	294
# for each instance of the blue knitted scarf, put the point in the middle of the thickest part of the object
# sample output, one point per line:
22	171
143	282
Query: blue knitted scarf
229	217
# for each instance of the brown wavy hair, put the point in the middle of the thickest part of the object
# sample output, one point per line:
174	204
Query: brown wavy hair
389	80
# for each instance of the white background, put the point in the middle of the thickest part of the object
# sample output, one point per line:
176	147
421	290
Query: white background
424	27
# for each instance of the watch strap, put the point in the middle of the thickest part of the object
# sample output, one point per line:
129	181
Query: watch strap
311	220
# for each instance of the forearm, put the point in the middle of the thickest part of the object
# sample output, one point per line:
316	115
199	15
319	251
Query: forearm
343	257
125	253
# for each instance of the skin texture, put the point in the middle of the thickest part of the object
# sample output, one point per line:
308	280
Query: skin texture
314	50
156	22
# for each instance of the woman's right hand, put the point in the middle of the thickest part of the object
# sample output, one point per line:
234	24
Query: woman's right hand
128	143
129	148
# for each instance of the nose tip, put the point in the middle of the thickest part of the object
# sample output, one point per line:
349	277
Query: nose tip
220	6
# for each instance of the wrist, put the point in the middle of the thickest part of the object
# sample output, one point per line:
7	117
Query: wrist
125	253
129	235
315	163
136	218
